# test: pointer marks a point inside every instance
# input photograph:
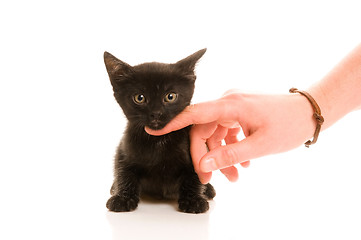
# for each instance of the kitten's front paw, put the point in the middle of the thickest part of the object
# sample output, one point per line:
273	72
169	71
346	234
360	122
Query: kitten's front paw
193	205
209	192
118	204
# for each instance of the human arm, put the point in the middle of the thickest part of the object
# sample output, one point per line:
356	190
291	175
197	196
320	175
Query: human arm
339	92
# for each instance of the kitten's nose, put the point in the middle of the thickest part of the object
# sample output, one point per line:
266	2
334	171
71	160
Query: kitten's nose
156	115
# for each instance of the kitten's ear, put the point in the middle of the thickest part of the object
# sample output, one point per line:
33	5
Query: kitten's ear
114	66
188	64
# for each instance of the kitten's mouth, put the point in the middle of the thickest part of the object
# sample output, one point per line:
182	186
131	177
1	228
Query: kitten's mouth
156	125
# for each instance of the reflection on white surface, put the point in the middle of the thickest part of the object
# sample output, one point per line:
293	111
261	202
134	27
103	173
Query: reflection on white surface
159	220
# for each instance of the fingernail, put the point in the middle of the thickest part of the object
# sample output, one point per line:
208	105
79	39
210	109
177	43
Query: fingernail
208	165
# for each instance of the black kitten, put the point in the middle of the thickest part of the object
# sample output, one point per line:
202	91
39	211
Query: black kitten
151	94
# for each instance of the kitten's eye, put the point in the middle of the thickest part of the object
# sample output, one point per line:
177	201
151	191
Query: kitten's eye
170	97
139	99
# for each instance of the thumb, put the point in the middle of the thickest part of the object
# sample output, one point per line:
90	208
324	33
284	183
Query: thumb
231	154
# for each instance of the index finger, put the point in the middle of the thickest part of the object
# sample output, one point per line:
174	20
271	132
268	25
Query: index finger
194	114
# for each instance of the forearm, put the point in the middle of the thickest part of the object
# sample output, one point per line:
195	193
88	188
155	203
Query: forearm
339	92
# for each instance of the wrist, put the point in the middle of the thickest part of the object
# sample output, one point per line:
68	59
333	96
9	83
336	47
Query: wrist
317	115
324	103
305	121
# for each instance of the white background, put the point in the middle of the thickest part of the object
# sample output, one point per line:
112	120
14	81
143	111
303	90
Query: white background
59	123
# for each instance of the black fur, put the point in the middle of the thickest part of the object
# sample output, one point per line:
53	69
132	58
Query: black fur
151	94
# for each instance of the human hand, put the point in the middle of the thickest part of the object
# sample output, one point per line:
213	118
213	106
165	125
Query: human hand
270	123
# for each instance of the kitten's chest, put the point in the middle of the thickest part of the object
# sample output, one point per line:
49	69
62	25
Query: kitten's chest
160	148
162	162
162	178
162	144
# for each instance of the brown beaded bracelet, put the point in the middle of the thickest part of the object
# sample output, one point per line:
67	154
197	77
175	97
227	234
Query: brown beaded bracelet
317	115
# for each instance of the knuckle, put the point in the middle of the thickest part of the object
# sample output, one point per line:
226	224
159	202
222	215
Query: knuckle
234	95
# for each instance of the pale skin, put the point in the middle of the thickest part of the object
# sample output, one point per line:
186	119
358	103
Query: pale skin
270	123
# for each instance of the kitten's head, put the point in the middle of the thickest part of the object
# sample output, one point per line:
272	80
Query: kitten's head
151	94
